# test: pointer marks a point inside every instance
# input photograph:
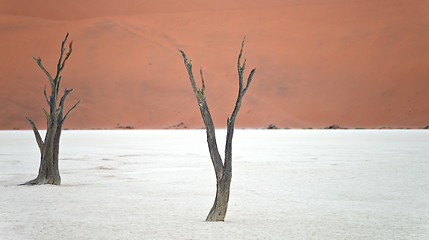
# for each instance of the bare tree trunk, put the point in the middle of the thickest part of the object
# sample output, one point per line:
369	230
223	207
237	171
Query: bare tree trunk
223	170
49	148
220	205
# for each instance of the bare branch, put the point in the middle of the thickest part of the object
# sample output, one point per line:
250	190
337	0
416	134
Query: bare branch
63	99
61	62
240	67
241	91
62	53
249	79
188	66
241	52
67	55
231	120
65	116
39	62
61	105
46	97
208	121
36	134
202	91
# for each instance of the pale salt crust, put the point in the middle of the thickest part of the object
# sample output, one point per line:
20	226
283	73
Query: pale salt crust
160	184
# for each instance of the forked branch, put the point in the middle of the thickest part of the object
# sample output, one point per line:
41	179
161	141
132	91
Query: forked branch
241	69
223	170
62	62
188	65
231	120
61	105
241	91
208	121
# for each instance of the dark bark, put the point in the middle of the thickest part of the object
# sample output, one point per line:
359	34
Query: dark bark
49	148
223	169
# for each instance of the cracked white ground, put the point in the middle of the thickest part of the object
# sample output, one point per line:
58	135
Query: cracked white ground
160	184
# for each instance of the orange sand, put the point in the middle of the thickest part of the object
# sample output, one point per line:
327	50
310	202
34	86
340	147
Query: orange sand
355	63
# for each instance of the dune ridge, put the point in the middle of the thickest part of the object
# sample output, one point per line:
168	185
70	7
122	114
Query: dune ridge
354	63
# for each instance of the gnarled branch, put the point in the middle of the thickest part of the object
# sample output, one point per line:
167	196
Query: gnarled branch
39	63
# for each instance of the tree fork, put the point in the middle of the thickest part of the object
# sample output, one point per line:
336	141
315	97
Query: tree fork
223	169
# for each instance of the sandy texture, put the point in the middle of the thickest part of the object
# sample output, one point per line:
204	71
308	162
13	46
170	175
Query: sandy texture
154	184
355	63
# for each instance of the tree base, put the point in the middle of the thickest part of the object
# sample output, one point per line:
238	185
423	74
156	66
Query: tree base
41	181
217	213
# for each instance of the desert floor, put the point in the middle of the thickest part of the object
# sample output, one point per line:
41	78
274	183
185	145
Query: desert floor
160	184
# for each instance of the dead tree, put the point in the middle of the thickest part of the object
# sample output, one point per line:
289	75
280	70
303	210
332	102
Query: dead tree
49	148
223	169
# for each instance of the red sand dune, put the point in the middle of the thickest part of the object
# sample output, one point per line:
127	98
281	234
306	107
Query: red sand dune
355	63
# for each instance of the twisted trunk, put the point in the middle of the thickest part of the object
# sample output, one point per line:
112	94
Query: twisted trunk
220	205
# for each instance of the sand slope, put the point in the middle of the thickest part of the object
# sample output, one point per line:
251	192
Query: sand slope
354	63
